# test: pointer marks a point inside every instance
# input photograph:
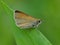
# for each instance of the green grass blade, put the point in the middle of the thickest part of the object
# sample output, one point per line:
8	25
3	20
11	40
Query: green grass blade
22	37
6	37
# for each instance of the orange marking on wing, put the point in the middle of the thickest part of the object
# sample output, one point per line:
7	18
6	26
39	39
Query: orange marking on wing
21	15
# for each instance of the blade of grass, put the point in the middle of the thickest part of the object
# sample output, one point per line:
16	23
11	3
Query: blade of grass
24	37
6	37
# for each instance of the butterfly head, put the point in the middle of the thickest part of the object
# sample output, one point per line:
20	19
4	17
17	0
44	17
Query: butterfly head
35	24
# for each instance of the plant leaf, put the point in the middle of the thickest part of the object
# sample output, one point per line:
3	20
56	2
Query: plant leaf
22	37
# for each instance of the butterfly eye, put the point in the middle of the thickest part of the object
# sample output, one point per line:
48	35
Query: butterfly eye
39	21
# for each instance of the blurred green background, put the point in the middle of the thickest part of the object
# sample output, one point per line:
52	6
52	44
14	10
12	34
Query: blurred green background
47	10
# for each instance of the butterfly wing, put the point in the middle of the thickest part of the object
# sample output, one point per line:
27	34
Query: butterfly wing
23	20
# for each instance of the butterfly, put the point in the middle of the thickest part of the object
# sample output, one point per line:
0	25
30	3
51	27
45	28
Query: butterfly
25	21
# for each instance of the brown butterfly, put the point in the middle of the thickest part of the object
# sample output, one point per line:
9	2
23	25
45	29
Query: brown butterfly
23	20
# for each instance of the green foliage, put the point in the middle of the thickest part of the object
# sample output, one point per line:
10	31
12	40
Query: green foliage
47	10
12	35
